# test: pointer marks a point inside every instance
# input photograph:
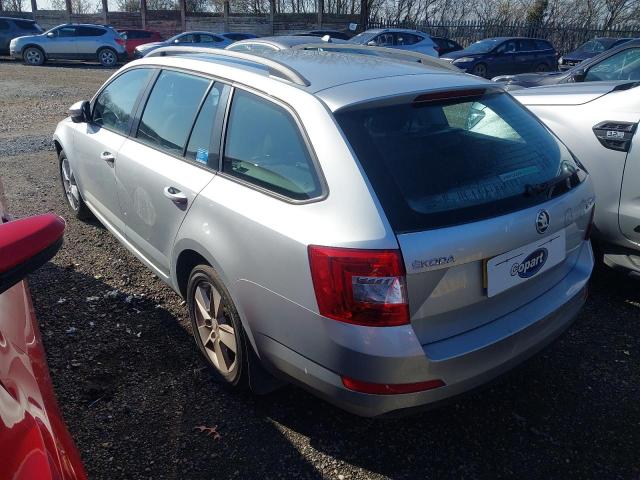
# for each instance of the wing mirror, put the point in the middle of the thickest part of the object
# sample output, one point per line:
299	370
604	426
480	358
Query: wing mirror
51	34
26	245
80	112
371	43
177	40
579	75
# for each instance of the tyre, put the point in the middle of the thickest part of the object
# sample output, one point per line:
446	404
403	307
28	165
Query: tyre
216	326
543	67
107	57
71	191
33	56
479	69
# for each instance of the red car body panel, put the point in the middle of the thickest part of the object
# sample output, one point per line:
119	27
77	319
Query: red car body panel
131	43
34	441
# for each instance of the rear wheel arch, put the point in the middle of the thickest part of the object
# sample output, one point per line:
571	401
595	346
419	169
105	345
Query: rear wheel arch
190	257
58	147
186	262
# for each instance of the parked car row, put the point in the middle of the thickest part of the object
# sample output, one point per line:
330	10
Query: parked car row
487	58
619	63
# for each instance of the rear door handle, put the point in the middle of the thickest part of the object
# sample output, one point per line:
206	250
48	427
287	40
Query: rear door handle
108	157
175	195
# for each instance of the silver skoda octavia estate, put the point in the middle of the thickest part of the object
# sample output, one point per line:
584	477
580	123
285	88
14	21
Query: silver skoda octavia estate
383	233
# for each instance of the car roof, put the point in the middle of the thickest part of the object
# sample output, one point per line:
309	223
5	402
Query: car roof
18	18
92	25
392	30
352	78
281	41
196	31
570	93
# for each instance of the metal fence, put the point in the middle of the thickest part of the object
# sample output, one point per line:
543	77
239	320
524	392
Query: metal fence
565	38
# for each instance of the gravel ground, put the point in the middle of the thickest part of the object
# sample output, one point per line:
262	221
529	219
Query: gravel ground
133	388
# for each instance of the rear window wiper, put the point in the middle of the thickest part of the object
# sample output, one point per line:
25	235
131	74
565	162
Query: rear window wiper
548	186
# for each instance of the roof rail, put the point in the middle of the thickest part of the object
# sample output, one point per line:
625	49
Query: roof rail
393	53
275	68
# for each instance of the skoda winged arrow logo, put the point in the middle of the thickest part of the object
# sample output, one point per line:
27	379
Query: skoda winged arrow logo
542	221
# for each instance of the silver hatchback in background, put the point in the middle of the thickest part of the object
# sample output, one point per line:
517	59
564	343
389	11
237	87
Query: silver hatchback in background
383	233
598	121
71	42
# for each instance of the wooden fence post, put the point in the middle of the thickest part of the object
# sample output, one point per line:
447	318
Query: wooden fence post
183	14
272	15
320	12
69	8
105	12
34	7
143	13
225	14
364	14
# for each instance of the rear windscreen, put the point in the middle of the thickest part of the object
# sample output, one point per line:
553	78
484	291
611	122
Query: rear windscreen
448	161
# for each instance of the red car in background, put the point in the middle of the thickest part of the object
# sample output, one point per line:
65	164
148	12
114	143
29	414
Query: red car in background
34	442
135	37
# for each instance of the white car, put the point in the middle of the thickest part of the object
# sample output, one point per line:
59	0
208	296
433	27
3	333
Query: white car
598	122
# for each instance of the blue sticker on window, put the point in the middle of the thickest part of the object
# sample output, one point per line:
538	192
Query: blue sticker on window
202	155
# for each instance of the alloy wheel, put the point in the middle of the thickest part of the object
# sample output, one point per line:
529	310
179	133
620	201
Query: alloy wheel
215	329
107	58
70	185
480	70
33	56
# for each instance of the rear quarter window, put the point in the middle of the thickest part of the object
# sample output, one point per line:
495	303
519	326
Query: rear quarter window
264	147
27	26
543	45
91	31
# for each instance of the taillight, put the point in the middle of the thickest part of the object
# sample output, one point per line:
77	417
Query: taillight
364	287
390	388
587	233
120	41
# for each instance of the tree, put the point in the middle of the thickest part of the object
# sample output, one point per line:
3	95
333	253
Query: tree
535	13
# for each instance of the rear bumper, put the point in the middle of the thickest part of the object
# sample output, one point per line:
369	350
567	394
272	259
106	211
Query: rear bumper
463	362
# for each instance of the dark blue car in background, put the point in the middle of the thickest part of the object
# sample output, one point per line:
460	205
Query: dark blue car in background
587	50
505	56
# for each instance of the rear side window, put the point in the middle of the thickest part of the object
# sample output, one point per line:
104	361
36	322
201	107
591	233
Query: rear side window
384	40
199	148
209	39
264	146
407	39
527	45
114	106
438	163
67	32
171	110
507	47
